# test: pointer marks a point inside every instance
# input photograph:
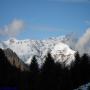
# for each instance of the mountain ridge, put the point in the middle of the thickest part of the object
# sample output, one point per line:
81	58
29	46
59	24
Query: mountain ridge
14	60
26	49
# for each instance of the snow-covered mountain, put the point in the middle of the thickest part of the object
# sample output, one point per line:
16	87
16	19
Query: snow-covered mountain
26	49
62	53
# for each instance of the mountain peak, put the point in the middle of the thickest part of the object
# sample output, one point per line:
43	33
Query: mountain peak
26	49
63	53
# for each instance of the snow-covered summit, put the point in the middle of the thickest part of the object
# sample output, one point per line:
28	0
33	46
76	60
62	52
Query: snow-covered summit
26	49
62	53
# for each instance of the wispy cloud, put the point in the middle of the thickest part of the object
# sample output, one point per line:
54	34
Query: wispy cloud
81	45
45	28
87	22
12	29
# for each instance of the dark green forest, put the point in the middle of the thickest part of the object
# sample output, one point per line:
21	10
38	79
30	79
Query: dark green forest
51	76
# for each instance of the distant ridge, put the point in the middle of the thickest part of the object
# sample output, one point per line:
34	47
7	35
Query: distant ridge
26	49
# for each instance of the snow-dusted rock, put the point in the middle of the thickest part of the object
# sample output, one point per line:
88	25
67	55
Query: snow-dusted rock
84	87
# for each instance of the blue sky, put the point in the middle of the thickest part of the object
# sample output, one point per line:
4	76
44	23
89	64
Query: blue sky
46	18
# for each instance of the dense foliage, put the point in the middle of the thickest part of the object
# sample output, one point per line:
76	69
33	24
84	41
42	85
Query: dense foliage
51	76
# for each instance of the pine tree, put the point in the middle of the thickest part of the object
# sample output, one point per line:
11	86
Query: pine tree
49	74
85	68
4	65
75	71
34	66
34	75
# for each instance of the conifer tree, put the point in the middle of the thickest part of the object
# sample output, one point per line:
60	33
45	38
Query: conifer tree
34	75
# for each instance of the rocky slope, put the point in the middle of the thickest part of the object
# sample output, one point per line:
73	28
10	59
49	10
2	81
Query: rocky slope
15	60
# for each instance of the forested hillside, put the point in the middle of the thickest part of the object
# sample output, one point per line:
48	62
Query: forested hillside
51	76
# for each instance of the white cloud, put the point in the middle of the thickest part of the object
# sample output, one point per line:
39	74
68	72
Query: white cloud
12	29
81	45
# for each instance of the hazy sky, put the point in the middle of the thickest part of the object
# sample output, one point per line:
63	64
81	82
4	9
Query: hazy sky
40	19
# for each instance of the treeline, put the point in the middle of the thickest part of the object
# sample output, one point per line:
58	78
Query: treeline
51	76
